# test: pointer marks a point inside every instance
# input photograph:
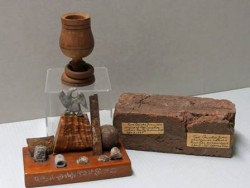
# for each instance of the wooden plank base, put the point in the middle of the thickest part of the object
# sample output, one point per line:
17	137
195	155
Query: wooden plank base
45	173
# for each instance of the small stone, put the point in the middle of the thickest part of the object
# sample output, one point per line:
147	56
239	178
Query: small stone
82	160
40	154
103	158
115	153
110	137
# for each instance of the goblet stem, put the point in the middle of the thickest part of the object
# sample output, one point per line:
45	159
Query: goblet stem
78	65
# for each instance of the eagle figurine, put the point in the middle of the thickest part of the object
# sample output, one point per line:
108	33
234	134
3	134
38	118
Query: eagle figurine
73	103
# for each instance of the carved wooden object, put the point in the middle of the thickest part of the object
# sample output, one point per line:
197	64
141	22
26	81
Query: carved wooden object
73	134
76	42
95	124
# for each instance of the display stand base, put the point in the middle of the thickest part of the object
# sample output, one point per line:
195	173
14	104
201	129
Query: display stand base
45	173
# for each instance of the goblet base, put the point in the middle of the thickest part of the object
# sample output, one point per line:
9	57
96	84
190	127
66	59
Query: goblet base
78	78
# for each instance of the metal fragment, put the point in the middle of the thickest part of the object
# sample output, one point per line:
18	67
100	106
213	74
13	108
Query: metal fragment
40	153
60	162
73	103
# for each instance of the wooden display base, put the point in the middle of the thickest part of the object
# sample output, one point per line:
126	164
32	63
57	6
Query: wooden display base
45	173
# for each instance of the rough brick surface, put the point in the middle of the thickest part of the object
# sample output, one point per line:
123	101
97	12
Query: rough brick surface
180	116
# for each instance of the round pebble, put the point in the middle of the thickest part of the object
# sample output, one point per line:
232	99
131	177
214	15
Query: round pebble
82	160
110	137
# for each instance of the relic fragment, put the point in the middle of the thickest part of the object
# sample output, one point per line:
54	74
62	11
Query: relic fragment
42	141
60	161
73	134
174	124
103	158
110	137
115	153
40	154
82	160
95	124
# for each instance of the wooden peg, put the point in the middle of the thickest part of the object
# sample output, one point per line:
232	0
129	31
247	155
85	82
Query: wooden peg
95	124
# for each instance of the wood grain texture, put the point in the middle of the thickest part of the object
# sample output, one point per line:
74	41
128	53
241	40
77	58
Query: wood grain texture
77	41
44	141
73	134
95	124
44	174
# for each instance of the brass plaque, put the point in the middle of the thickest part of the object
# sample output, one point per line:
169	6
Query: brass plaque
143	128
208	140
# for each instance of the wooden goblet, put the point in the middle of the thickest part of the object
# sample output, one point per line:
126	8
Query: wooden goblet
76	42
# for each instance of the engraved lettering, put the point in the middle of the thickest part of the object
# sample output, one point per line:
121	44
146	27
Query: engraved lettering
73	175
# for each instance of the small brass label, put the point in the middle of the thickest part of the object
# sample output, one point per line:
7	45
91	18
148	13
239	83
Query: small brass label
143	128
208	140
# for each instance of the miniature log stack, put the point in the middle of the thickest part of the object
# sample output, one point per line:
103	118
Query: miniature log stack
186	125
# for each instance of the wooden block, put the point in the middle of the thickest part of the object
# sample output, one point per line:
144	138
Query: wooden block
73	134
44	141
175	124
95	124
45	173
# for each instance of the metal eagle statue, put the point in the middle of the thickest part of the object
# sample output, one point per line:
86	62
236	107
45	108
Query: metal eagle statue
73	103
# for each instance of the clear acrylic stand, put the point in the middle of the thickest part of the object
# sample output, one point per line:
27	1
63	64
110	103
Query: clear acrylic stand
54	108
